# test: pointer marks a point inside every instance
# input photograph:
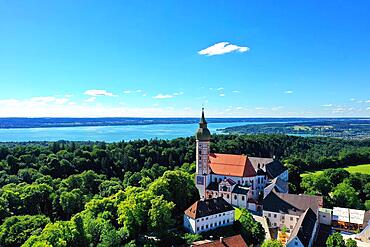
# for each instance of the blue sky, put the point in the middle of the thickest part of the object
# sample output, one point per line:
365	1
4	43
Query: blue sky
168	58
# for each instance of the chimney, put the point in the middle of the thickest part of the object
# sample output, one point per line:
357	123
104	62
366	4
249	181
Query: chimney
221	239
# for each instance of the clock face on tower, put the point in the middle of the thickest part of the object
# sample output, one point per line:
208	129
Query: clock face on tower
200	180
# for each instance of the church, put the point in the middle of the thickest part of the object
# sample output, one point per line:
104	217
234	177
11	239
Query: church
241	180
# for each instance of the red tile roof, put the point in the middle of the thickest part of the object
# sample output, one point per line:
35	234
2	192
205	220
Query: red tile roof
231	165
234	241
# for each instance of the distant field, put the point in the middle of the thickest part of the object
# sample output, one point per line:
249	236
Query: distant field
365	168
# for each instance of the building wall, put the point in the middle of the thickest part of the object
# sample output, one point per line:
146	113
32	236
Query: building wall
210	222
365	234
295	243
202	178
257	183
189	224
279	220
325	218
237	200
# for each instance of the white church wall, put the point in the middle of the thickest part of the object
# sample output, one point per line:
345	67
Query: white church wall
280	220
214	221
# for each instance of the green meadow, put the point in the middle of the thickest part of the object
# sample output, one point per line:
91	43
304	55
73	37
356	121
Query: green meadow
365	168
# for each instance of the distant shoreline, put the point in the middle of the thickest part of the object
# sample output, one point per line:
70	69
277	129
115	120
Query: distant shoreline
19	123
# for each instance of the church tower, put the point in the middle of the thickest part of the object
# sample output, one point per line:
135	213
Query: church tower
203	138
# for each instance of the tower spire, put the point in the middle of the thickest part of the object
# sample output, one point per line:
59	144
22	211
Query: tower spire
203	119
203	133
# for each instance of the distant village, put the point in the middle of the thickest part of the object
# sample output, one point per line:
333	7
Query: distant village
260	185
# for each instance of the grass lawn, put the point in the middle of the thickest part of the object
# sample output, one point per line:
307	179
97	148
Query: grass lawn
365	168
237	213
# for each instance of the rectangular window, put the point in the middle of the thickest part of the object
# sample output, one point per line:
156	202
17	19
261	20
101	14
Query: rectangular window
197	228
269	215
211	225
291	218
275	215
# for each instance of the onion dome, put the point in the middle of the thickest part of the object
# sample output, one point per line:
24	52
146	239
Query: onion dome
203	133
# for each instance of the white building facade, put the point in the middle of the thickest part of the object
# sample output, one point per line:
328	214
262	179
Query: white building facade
205	215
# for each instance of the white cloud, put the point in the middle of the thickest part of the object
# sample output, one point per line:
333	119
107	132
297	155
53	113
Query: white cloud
167	96
163	96
132	91
352	99
91	99
222	94
48	99
9	102
45	99
239	108
178	93
368	108
236	91
288	92
338	110
222	48
98	92
144	95
61	101
276	108
327	105
367	101
220	88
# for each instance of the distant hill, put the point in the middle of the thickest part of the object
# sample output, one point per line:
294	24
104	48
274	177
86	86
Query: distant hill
339	128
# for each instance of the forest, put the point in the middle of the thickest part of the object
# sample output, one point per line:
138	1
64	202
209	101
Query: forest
134	193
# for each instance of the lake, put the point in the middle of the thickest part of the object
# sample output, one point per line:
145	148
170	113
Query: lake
109	133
